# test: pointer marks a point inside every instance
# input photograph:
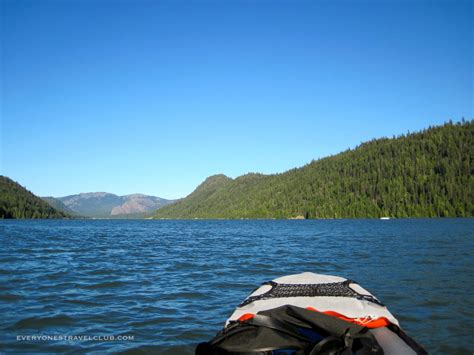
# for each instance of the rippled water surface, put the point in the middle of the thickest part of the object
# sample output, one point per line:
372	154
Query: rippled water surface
172	284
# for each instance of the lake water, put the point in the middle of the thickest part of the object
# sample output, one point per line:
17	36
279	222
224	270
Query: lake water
172	284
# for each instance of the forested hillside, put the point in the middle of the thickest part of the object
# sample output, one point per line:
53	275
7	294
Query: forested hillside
17	202
423	174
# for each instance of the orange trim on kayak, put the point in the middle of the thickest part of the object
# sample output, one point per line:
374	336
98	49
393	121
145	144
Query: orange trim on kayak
245	317
367	321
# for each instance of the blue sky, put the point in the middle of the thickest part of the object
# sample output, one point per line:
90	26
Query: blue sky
154	96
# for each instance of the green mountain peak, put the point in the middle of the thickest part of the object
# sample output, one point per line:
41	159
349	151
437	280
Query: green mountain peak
18	202
423	174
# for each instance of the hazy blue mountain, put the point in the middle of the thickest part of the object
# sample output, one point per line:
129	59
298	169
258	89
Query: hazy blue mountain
103	204
57	204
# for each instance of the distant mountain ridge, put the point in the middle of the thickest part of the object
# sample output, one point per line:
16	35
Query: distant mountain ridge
57	204
425	174
104	204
